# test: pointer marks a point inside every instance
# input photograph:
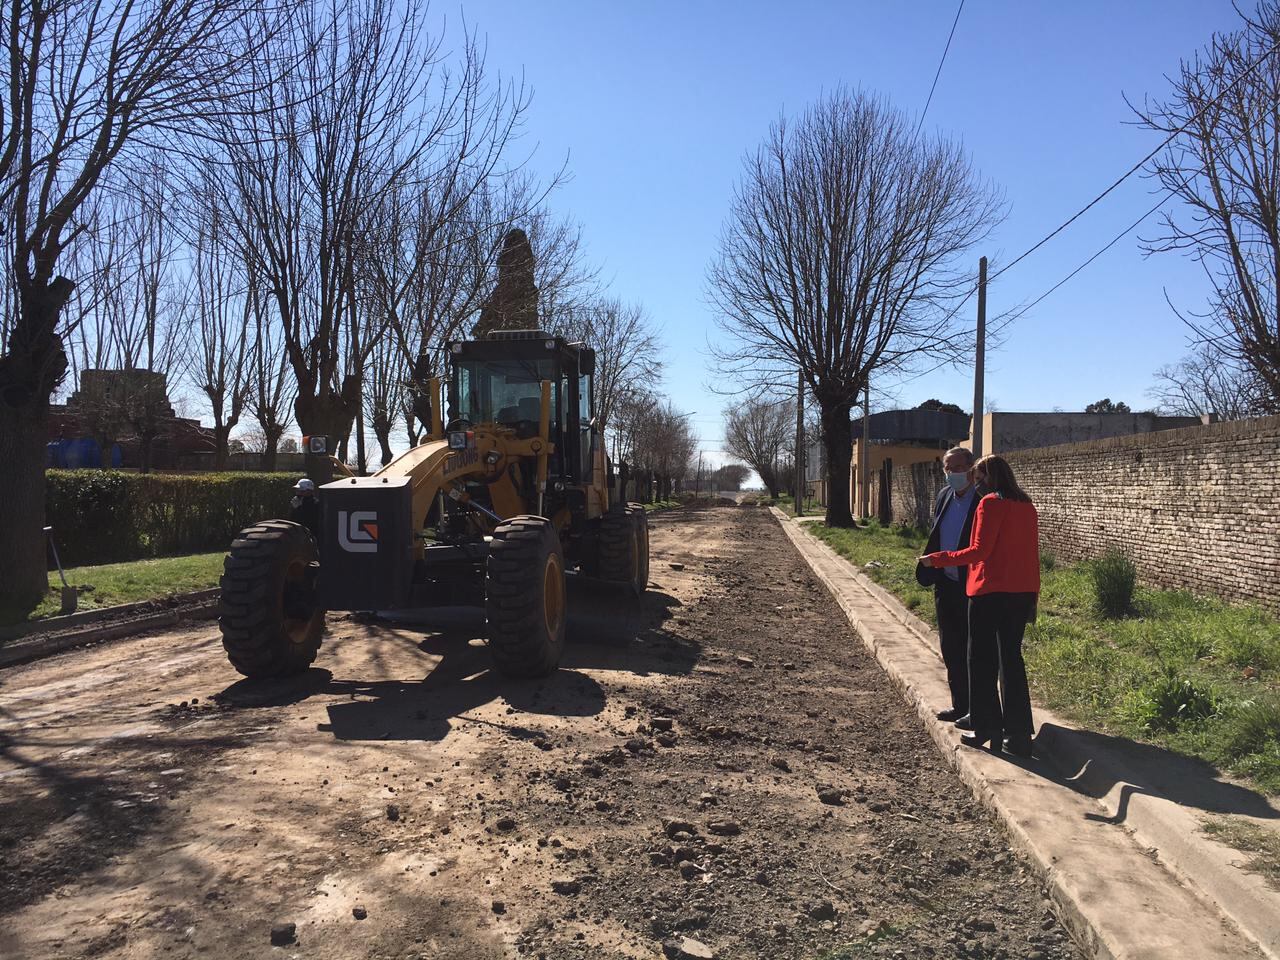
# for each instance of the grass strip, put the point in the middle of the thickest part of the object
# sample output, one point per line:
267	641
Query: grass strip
1189	673
1261	845
116	583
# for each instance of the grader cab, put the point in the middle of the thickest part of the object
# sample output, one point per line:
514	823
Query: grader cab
507	495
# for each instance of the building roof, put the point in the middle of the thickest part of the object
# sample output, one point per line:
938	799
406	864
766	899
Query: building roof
921	426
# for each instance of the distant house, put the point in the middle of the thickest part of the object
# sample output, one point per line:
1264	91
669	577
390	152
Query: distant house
898	439
905	448
127	411
1006	432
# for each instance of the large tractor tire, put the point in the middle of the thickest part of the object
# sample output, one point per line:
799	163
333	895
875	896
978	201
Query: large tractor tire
271	624
525	598
624	547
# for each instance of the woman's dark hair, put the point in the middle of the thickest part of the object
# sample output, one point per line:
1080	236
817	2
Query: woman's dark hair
1000	478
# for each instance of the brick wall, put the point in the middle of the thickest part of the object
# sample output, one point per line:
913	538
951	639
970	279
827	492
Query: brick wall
1195	508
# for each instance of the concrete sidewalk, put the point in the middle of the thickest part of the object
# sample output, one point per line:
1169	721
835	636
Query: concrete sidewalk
1114	826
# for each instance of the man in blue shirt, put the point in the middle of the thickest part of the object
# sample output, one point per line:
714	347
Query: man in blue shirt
952	526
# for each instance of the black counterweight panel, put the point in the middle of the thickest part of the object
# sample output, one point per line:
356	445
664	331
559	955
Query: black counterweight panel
366	557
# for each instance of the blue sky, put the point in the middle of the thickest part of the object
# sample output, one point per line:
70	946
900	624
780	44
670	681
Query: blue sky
655	104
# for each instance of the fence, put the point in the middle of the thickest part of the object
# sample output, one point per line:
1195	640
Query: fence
1194	508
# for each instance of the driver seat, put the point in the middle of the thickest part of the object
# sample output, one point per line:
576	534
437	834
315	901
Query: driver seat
530	408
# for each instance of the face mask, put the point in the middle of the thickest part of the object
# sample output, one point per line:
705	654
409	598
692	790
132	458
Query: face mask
957	481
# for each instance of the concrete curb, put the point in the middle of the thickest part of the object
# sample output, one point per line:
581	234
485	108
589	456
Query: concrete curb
1116	898
202	604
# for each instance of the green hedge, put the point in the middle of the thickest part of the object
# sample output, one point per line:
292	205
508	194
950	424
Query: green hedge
100	516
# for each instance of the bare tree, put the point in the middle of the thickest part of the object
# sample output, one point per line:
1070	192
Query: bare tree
128	320
372	107
427	283
760	433
1223	163
271	385
565	281
628	351
729	478
383	388
1205	381
840	256
87	84
221	321
655	443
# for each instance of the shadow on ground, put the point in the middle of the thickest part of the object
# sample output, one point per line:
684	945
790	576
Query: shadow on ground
1094	763
606	631
61	821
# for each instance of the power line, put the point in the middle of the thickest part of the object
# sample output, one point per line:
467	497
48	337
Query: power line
1140	164
1010	316
938	73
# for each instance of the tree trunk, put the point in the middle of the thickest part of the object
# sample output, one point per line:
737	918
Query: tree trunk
221	445
837	437
23	556
329	415
29	373
104	452
383	432
271	433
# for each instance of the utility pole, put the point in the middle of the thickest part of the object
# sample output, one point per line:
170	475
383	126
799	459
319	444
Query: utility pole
800	443
697	487
980	358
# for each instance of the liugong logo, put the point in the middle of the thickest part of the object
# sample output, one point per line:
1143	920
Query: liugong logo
358	531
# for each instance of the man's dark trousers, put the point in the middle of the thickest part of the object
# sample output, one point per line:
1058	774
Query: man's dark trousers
952	607
950	602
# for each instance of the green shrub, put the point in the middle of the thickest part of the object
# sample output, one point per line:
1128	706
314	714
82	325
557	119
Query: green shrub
1252	726
100	516
1114	578
1048	561
1168	701
1246	642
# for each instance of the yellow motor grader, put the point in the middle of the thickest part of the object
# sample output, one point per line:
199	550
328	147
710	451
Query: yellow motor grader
500	501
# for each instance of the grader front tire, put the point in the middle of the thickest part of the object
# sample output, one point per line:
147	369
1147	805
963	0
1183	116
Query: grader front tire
271	625
525	597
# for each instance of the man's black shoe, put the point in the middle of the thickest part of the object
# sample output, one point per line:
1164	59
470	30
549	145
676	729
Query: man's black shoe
950	715
964	723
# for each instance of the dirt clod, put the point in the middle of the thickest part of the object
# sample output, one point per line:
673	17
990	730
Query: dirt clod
832	796
687	948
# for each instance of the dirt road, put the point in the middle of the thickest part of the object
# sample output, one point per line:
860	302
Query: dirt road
719	770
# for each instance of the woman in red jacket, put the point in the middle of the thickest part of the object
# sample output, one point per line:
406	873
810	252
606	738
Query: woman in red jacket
1003	557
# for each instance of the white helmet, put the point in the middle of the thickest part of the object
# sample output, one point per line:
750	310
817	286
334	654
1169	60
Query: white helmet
304	486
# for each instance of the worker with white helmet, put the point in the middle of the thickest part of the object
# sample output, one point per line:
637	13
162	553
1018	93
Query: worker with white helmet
306	507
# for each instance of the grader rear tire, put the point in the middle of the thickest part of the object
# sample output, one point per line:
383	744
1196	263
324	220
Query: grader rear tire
640	516
624	547
271	625
525	599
